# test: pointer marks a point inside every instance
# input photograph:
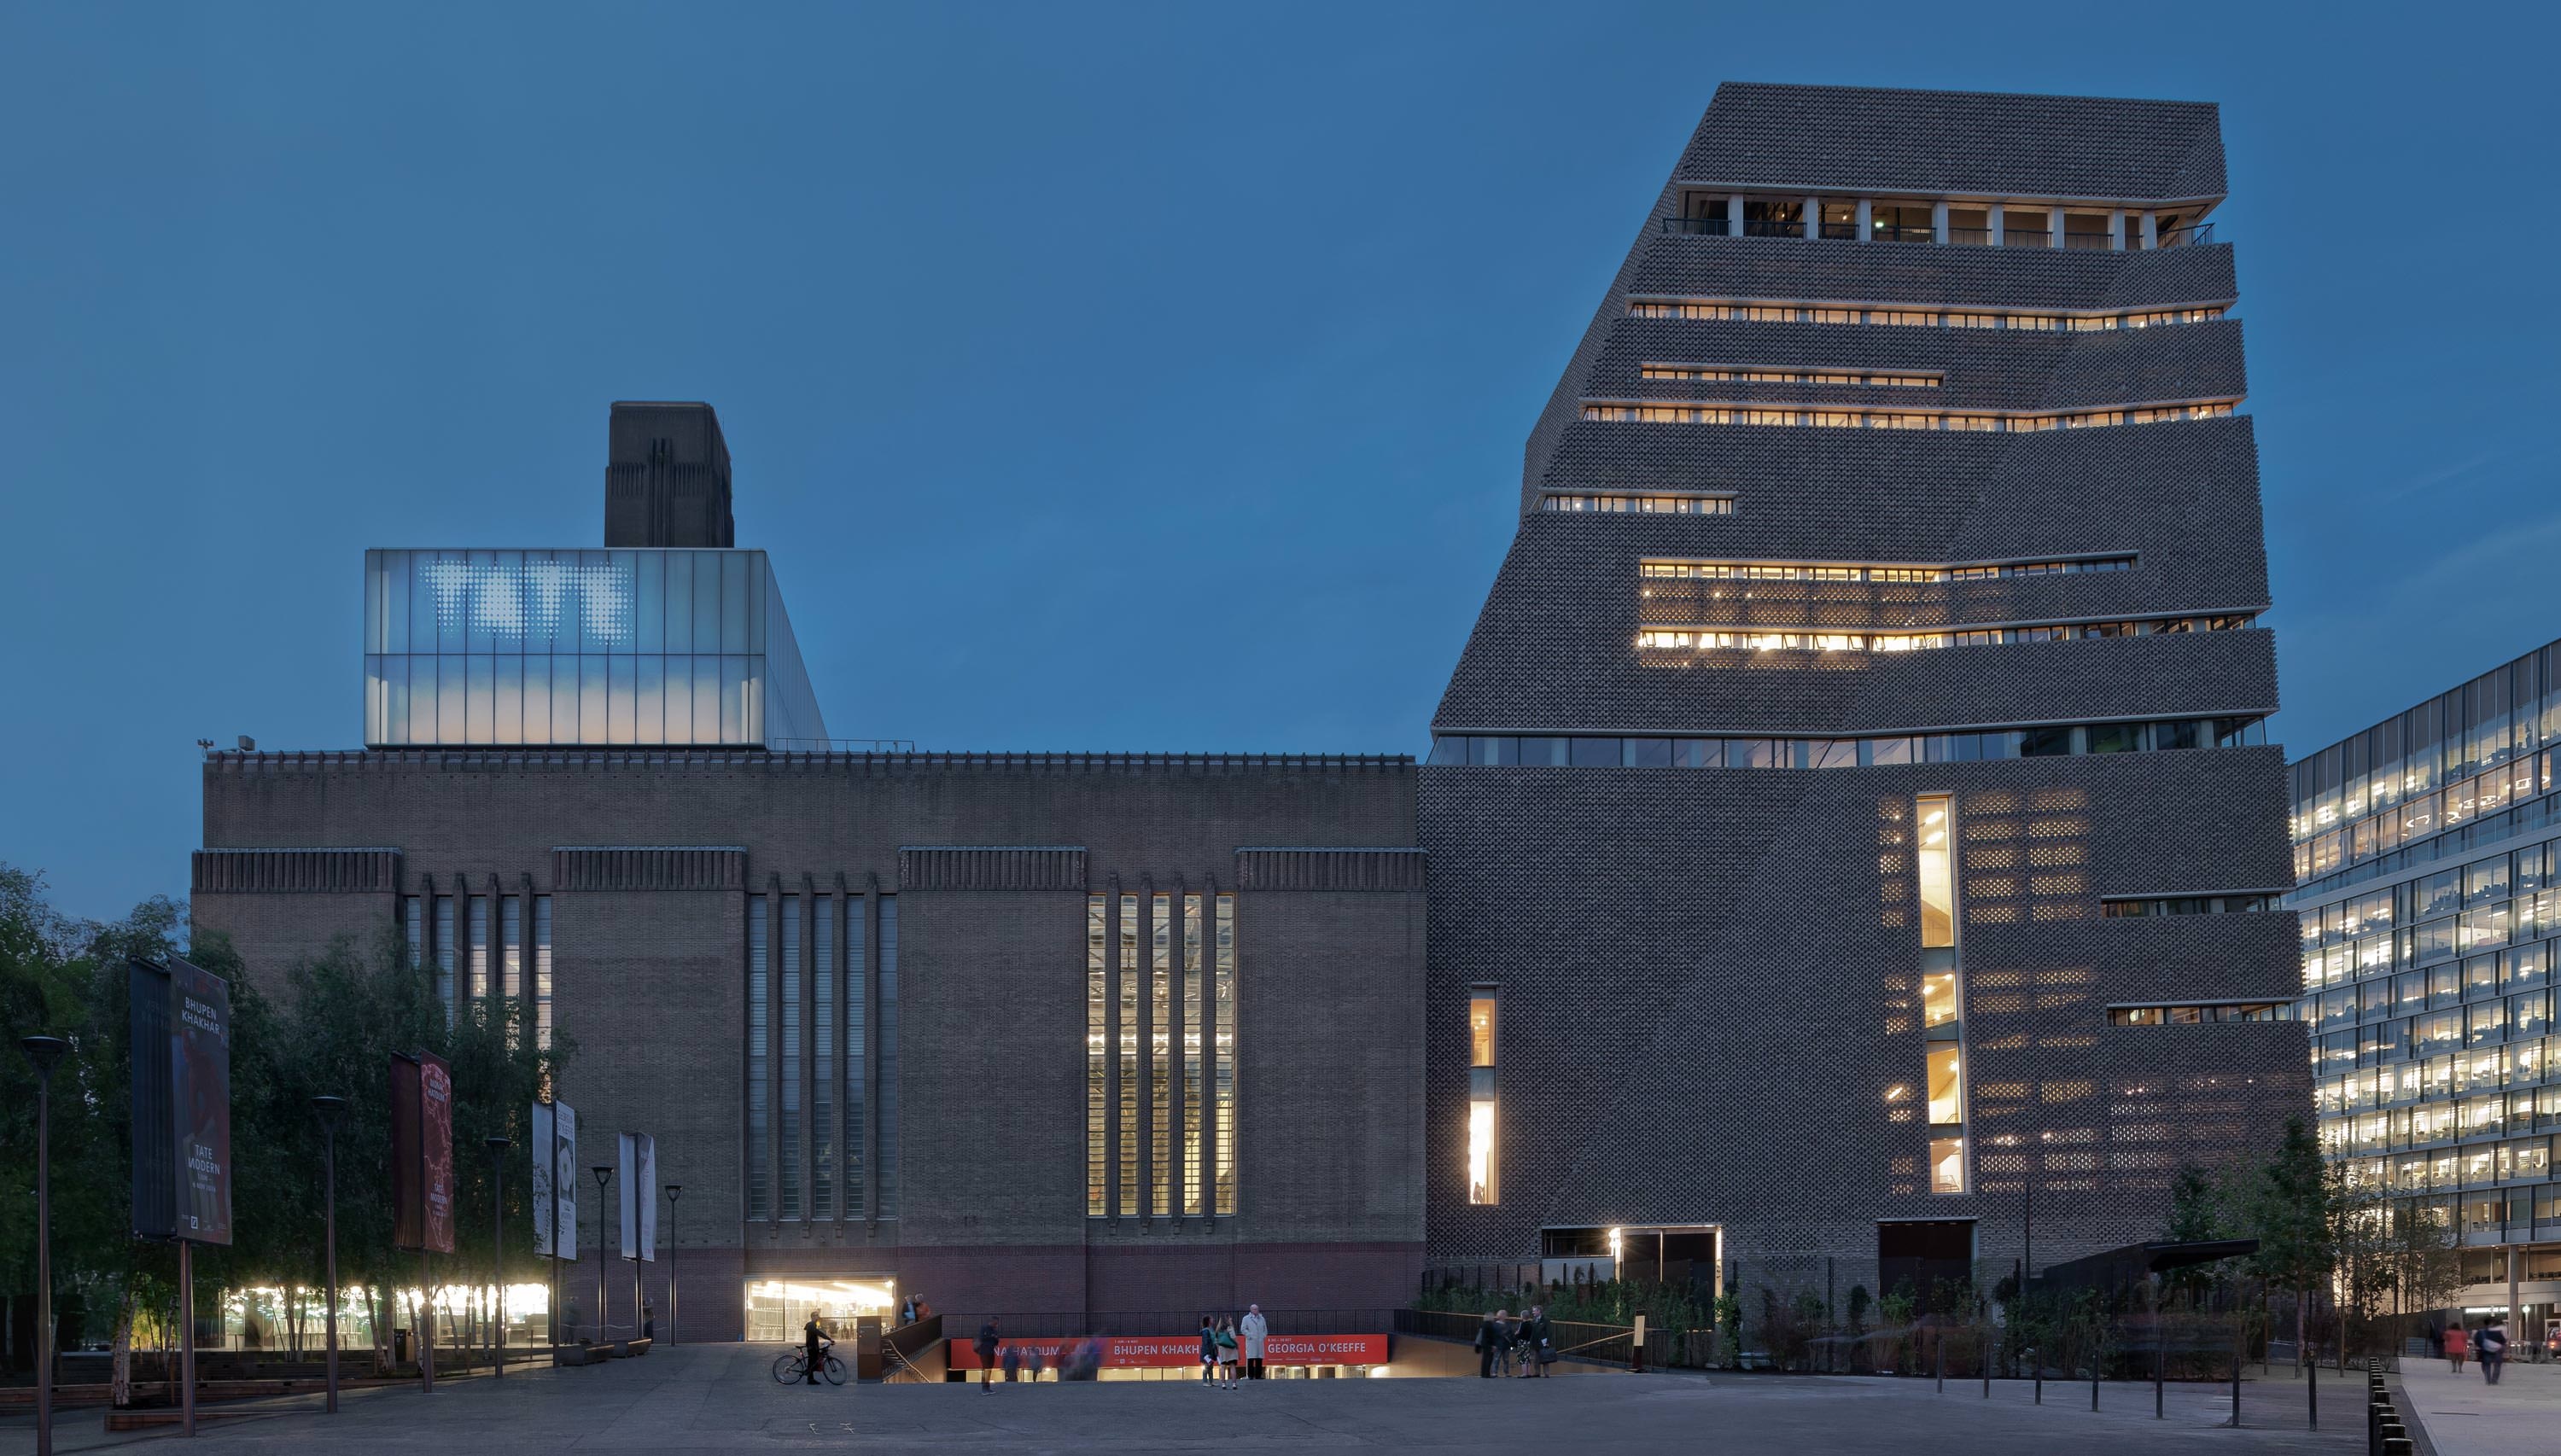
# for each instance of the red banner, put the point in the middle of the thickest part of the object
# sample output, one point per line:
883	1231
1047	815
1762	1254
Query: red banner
1156	1352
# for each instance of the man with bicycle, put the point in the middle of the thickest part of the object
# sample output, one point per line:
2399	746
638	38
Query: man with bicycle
814	1346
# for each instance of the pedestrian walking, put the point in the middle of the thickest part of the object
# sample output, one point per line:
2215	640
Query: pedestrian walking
1013	1363
1489	1343
2493	1351
1256	1330
648	1322
2552	1342
1226	1352
2454	1340
1208	1352
987	1342
1032	1359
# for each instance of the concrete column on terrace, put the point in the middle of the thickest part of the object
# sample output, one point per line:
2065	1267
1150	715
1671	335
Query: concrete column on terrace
1939	221
2151	231
2117	230
1997	218
1813	217
1866	217
1734	215
2054	226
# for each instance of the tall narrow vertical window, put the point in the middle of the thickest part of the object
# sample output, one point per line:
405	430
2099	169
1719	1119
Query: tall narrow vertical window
479	982
1947	1164
760	1063
1098	1057
1128	1054
511	947
1946	1088
788	978
413	929
1481	1014
1160	1056
1194	1011
858	977
824	981
886	1108
543	971
1936	814
1223	971
444	955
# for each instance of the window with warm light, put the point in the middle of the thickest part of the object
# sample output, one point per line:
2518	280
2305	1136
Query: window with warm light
1947	1165
1481	1025
1937	814
1938	998
1946	1088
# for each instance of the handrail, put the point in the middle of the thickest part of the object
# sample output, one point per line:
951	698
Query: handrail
2193	235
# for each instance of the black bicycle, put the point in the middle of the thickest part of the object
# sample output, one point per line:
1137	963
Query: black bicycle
792	1367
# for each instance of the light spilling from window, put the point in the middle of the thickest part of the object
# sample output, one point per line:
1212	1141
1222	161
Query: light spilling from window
1946	1088
1947	1164
1938	877
1480	1096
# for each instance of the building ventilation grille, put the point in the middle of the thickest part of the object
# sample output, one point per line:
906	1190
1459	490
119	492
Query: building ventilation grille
649	867
309	872
991	867
1284	868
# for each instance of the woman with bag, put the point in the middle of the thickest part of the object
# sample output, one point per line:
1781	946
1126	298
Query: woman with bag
1226	1352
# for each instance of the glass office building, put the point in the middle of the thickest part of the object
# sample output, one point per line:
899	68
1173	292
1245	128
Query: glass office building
631	646
2426	850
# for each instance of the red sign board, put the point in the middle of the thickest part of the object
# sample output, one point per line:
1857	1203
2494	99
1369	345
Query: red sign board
421	1154
1156	1352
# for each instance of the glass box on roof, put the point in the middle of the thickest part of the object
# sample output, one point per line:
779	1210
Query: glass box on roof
636	646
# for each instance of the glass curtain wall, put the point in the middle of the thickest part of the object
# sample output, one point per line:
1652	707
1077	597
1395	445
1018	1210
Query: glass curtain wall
584	647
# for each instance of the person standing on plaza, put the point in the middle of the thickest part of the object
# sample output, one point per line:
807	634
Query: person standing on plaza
2455	1343
1489	1343
1209	1350
1013	1363
986	1345
1256	1330
1536	1347
2493	1351
1226	1352
1032	1359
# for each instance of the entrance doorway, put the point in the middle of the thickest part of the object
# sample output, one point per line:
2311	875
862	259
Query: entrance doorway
777	1307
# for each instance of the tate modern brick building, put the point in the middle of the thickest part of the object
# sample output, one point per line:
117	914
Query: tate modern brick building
1849	811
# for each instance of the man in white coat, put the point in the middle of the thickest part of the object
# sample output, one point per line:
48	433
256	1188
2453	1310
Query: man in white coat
1254	1328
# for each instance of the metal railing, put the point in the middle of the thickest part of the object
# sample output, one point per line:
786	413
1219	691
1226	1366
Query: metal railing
1696	226
2188	236
1774	227
2201	233
841	745
1970	236
2099	241
1840	231
2027	237
1901	233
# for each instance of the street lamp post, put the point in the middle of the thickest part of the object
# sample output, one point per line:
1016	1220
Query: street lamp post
44	1051
603	1175
329	1111
498	1146
673	1191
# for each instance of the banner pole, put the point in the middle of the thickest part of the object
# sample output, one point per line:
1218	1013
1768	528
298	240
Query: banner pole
187	1337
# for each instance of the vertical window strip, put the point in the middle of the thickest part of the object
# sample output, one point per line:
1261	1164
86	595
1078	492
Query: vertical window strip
1483	1013
822	1042
1160	1058
1128	1054
479	983
1224	970
543	971
1194	1010
444	955
760	1198
886	1109
787	981
1942	1071
1098	1057
511	964
858	974
1935	817
413	927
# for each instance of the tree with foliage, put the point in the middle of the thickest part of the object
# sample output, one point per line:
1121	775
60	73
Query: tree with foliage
2360	1233
2288	1211
2427	1265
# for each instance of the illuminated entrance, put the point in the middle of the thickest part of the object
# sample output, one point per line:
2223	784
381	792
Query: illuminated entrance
1681	1254
777	1307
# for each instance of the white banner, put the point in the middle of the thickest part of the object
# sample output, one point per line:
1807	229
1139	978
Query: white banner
627	1168
647	1195
564	1180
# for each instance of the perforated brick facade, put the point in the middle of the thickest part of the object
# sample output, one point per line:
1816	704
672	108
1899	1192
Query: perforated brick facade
1708	978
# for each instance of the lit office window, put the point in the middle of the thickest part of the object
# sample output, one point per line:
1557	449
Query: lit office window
1936	815
823	980
1480	1095
1128	1054
1223	971
1946	1088
1195	1011
857	981
543	971
479	986
1947	1164
760	993
1161	1055
1098	1057
886	1108
1938	998
444	955
788	976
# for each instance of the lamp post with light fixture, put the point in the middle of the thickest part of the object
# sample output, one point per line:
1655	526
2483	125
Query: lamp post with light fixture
603	1175
44	1051
674	1189
498	1146
329	1111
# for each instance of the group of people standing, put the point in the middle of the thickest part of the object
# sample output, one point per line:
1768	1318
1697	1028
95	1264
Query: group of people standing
1224	1342
2488	1344
1503	1342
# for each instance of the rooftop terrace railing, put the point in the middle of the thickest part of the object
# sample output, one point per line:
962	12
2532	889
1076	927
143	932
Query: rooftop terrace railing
2082	239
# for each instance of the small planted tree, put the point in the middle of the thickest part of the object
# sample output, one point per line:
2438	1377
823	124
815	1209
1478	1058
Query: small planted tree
2289	1212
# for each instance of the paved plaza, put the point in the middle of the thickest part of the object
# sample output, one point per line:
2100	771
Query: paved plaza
2465	1415
720	1398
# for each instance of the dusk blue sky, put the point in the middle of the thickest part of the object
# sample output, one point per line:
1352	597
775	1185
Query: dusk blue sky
1099	377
